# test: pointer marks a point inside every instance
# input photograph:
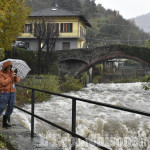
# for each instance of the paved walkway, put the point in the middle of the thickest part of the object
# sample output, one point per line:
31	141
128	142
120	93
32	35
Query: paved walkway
18	138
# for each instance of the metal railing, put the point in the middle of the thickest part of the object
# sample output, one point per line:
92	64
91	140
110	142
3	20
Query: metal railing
74	100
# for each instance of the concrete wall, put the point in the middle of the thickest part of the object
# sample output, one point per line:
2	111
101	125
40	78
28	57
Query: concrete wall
59	43
33	44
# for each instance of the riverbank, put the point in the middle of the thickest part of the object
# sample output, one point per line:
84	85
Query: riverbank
47	83
55	84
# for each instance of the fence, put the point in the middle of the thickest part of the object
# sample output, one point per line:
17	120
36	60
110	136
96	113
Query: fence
74	100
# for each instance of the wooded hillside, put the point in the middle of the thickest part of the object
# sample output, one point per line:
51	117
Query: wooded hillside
108	26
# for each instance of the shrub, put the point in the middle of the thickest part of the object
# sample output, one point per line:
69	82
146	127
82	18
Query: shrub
71	84
97	79
146	85
45	82
146	78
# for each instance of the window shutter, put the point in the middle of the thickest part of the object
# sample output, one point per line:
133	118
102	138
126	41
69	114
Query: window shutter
61	27
71	27
30	28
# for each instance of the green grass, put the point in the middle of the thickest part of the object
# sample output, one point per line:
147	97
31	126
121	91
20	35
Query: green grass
48	83
44	82
2	143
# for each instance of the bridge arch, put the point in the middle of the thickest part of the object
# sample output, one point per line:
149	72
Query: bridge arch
69	66
88	57
116	55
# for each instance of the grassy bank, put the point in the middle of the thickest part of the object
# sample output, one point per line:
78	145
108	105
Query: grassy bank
48	83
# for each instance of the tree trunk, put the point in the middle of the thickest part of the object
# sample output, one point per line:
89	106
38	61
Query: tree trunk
47	58
39	57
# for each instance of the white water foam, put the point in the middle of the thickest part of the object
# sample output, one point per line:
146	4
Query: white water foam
117	130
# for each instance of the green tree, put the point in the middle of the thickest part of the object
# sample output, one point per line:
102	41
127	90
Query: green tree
2	53
3	7
14	15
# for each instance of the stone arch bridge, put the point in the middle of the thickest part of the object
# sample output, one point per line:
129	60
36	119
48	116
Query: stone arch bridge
77	61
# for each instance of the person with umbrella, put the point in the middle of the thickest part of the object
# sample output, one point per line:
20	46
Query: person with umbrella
8	78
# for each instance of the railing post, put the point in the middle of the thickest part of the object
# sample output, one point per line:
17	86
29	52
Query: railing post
32	111
73	140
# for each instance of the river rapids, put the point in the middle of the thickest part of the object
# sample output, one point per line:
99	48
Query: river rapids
114	129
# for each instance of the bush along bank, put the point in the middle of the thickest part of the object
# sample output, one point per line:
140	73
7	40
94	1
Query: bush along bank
50	83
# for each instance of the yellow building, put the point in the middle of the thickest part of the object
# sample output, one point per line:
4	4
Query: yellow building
71	28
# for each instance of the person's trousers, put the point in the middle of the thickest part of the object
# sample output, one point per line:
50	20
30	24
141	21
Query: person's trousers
7	98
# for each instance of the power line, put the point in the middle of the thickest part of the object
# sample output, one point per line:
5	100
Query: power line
111	24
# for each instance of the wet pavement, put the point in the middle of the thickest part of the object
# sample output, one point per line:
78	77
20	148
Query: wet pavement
19	138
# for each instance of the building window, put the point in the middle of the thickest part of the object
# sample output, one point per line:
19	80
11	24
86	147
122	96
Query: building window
39	29
53	28
66	27
28	28
66	46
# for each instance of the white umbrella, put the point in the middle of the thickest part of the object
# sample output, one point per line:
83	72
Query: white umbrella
18	64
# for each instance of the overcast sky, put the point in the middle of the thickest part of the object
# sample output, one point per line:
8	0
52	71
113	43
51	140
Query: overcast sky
127	8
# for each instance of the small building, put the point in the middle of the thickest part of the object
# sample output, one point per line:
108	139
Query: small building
71	26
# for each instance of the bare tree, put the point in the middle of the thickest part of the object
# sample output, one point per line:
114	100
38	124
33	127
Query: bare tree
46	34
52	35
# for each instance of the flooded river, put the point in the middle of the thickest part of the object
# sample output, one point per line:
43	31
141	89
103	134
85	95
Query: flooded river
117	130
